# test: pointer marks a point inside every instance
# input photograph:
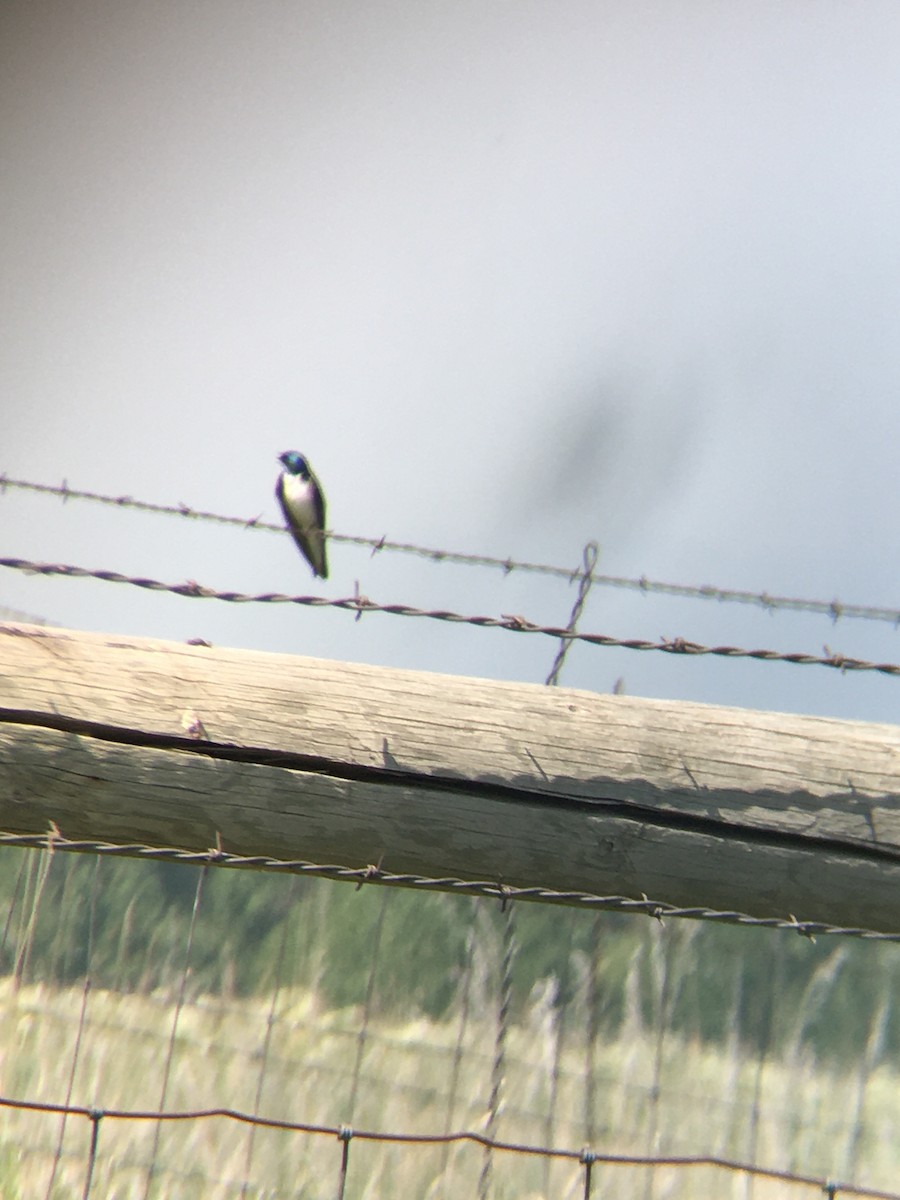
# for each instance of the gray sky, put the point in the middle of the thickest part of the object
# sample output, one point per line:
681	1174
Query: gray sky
514	276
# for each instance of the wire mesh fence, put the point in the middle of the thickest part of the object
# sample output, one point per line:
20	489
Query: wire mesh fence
171	1029
184	1031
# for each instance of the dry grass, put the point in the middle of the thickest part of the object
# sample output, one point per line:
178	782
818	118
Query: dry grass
704	1103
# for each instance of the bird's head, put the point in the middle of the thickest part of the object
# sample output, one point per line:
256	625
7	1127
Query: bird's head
294	463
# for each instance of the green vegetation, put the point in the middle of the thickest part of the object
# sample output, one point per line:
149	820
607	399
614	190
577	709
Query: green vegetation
125	923
380	1010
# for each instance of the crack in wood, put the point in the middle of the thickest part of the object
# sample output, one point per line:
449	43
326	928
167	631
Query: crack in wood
630	811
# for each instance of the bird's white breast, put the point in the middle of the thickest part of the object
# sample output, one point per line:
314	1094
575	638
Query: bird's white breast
298	495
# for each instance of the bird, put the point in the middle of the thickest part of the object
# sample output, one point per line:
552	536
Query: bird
303	504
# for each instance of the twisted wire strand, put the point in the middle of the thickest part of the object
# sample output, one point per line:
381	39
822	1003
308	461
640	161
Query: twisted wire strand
489	888
360	604
589	559
835	609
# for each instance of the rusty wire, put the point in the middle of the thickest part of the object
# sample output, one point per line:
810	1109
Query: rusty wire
589	561
490	889
360	604
501	1036
835	610
586	1157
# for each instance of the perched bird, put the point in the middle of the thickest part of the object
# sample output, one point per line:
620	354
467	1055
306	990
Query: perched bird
303	505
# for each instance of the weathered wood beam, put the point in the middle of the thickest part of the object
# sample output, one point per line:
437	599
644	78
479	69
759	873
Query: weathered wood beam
132	740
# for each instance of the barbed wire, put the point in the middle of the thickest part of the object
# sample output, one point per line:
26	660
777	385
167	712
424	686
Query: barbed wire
586	1157
490	889
835	610
344	1134
360	604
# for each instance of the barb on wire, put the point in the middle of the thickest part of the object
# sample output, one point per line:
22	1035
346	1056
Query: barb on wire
835	610
488	888
515	624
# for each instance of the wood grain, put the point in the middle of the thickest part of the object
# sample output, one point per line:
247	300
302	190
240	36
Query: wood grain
134	740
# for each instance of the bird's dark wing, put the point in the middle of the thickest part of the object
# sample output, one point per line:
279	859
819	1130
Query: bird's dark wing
310	540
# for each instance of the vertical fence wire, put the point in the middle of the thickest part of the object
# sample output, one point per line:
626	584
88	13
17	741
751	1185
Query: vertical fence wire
671	945
270	1025
766	1043
498	1070
735	1057
345	1136
592	1030
362	1036
589	562
76	1049
39	875
58	955
559	1007
179	1005
465	1006
589	558
665	961
588	1161
661	975
96	1116
874	1049
14	899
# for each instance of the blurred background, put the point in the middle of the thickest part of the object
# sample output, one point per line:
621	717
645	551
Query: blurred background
516	278
513	276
